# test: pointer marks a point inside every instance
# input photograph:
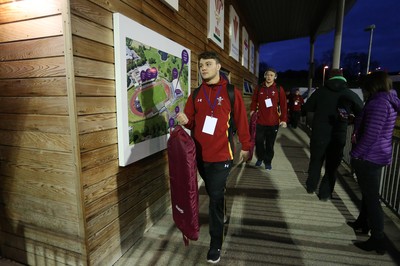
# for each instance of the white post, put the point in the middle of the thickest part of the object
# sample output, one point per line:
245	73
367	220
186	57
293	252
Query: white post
323	75
371	29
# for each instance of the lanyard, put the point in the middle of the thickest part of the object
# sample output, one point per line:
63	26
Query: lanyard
266	91
212	106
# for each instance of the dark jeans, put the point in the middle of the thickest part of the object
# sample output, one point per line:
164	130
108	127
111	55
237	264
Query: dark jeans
265	140
332	153
215	176
371	213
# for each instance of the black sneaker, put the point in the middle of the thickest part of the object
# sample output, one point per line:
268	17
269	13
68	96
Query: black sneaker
310	191
214	255
258	163
324	198
359	227
226	219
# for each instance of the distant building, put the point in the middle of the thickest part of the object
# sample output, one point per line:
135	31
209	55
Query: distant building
131	54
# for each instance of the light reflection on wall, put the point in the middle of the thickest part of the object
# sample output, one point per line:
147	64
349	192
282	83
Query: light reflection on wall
30	5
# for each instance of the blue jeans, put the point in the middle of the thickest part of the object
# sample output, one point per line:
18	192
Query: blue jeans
215	175
371	213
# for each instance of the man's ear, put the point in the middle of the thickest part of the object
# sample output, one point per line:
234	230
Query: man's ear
218	66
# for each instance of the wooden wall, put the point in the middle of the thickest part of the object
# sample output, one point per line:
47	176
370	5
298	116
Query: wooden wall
41	217
64	199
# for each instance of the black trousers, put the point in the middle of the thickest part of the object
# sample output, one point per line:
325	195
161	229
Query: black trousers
330	152
265	140
215	176
294	118
371	213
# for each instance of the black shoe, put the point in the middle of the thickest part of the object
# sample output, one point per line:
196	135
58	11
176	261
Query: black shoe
372	244
214	255
226	219
324	198
358	227
310	191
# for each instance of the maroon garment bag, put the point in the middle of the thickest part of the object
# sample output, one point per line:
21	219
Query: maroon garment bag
252	129
183	183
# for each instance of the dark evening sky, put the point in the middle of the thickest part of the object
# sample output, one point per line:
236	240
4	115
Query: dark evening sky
384	14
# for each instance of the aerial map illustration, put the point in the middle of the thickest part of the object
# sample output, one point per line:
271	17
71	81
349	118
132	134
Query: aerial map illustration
152	81
157	84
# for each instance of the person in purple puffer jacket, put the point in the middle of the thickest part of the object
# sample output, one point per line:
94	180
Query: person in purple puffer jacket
371	151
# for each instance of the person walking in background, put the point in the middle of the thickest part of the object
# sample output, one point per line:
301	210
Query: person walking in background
269	101
372	149
207	116
295	104
288	101
328	135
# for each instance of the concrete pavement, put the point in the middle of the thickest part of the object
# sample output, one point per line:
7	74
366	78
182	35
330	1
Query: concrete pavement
272	220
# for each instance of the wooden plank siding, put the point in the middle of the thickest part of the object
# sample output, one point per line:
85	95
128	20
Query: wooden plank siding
39	206
65	200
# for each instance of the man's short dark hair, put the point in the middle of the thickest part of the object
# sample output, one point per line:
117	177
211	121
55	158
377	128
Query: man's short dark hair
270	69
209	55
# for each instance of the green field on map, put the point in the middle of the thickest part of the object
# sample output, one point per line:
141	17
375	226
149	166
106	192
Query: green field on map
151	102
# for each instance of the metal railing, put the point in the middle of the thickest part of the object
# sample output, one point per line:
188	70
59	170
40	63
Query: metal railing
390	181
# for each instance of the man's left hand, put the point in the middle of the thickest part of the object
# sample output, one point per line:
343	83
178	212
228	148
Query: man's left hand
244	155
283	124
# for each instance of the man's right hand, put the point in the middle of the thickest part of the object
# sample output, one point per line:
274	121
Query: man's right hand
182	119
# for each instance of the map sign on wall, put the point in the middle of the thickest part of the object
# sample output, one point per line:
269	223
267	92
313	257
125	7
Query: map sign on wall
152	82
